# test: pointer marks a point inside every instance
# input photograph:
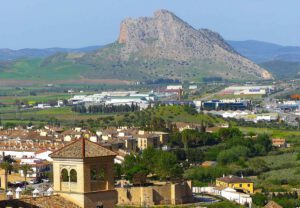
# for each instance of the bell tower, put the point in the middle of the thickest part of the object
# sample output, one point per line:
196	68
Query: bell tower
83	174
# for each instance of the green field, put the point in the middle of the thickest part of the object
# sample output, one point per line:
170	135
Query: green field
290	136
177	113
37	70
284	172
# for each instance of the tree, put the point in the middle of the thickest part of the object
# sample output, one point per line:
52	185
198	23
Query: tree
26	168
194	155
133	165
227	133
264	140
233	154
7	167
158	162
188	136
259	199
166	165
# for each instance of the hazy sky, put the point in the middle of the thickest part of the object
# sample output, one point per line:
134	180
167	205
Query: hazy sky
77	23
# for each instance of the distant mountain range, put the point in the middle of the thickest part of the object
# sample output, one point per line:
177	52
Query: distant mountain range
149	48
282	61
260	52
28	53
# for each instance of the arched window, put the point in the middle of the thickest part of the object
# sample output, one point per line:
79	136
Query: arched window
93	174
64	175
73	175
101	174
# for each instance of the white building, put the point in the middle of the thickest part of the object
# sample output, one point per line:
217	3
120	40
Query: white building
240	198
193	87
227	193
174	87
248	90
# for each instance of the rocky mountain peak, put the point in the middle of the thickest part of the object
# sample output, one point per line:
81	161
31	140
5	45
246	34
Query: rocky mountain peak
166	36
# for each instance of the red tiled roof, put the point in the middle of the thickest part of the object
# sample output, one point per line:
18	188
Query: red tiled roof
82	148
234	179
272	204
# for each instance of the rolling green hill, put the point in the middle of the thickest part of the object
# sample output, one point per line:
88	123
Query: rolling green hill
283	69
106	64
35	70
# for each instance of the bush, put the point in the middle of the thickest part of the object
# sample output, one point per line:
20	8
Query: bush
232	155
259	199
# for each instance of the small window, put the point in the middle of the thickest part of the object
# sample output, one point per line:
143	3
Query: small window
101	174
241	185
93	175
248	184
64	175
73	175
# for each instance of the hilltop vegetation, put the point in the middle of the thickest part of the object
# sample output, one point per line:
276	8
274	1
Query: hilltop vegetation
283	69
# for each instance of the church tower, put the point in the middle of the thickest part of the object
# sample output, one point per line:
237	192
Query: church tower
83	174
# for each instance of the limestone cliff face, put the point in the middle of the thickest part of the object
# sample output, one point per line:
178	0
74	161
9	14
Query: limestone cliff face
166	36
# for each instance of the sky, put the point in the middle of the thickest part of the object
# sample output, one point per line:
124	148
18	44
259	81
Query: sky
79	23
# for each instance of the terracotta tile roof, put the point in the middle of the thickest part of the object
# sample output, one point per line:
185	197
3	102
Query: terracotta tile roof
82	148
234	179
272	204
54	201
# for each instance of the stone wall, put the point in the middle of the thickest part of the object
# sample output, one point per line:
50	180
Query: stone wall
178	193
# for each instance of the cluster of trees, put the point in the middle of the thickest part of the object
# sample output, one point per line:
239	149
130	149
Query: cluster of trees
160	163
234	151
105	108
190	138
163	81
212	79
287	200
206	174
238	148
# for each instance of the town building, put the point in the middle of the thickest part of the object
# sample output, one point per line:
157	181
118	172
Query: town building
234	104
238	183
227	193
156	194
83	174
248	90
279	142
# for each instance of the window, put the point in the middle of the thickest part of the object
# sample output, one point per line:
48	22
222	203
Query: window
73	175
64	175
101	174
93	174
97	174
241	185
248	184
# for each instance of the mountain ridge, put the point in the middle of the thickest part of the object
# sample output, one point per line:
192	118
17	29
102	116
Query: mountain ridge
7	54
260	51
166	36
149	48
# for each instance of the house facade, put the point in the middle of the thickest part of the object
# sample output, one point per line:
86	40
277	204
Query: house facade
237	183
